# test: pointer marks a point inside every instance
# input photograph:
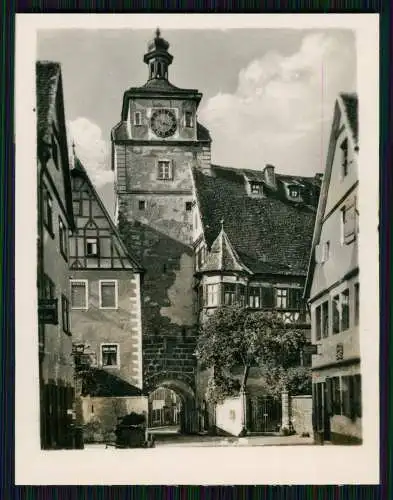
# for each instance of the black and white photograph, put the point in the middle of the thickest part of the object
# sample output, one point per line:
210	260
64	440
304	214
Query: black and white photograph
199	228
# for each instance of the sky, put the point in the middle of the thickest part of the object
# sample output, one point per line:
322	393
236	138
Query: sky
268	94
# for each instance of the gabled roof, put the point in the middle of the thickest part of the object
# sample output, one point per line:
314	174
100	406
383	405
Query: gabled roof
347	106
49	100
350	109
268	234
222	256
80	171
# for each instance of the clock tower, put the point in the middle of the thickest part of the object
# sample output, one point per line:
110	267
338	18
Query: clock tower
154	147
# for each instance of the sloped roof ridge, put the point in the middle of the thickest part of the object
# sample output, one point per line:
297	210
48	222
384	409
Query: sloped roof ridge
80	169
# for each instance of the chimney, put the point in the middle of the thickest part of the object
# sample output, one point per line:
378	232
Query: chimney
270	177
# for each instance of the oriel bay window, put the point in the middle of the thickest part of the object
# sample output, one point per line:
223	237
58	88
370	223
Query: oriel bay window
211	295
110	355
229	294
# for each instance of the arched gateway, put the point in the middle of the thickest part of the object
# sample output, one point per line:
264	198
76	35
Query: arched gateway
188	417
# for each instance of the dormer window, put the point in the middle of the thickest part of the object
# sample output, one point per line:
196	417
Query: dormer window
293	191
137	118
255	188
91	247
344	158
188	119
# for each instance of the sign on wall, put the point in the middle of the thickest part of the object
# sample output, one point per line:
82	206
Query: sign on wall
48	311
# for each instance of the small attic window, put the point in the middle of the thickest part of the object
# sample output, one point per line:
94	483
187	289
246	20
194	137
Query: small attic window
255	188
294	191
137	118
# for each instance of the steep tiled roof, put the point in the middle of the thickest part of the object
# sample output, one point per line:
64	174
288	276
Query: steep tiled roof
223	256
269	234
47	79
351	110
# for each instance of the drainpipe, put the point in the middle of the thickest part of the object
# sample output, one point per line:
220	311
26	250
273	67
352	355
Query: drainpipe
43	154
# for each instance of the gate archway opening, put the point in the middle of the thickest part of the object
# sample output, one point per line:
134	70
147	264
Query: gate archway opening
172	408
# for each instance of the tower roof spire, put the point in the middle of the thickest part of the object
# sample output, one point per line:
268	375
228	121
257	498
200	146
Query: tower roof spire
157	57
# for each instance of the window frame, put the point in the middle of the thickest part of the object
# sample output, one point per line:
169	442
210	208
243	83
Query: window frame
188	206
252	295
168	163
318	322
255	187
100	283
141	205
104	344
284	296
65	314
63	239
139	115
336	314
48	210
356	304
86	284
232	294
294	189
212	291
92	255
347	325
188	124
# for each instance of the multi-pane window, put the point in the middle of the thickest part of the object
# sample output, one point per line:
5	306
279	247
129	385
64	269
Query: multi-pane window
344	158
211	295
254	297
108	294
91	247
79	294
241	295
255	188
188	119
164	170
137	118
65	314
281	298
293	191
336	313
345	310
356	290
48	209
345	396
325	319
63	237
294	298
110	355
229	294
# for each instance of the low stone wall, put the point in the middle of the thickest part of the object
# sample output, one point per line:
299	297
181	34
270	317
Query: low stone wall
301	414
99	415
229	416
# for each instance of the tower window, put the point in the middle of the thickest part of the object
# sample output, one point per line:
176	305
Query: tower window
188	206
141	204
137	118
164	170
188	119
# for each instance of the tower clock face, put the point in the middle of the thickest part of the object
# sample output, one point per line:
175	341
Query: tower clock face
163	122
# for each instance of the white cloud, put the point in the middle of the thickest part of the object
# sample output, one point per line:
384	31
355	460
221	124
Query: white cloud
91	149
282	107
